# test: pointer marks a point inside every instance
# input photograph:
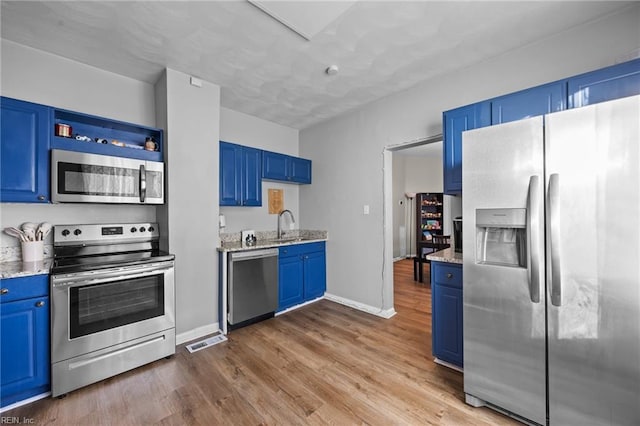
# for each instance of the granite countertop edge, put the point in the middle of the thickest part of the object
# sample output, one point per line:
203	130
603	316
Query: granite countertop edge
15	269
446	256
238	246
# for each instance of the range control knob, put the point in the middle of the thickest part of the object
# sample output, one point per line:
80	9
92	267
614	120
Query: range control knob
142	229
151	229
77	232
65	232
134	229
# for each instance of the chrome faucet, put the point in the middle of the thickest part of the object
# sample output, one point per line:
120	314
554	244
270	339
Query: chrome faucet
279	216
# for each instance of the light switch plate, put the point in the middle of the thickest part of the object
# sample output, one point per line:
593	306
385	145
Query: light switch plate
365	210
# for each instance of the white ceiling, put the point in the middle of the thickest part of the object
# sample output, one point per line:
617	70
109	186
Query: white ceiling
267	70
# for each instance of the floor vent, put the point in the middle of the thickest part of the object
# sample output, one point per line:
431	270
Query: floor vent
194	347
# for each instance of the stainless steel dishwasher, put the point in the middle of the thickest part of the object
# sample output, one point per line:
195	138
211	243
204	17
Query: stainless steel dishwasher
253	286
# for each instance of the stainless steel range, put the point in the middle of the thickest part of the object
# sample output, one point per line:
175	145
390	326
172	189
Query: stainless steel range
112	302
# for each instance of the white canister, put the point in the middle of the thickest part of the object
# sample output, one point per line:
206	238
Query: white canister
32	251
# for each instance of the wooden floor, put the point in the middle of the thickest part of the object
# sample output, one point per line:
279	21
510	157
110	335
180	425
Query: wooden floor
321	364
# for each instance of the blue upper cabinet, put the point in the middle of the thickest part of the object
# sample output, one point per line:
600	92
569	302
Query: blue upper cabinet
240	175
275	166
230	178
24	151
529	103
455	122
617	81
300	170
609	83
285	168
252	177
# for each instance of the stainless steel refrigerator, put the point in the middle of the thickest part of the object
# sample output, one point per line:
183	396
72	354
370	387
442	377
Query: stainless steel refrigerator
551	266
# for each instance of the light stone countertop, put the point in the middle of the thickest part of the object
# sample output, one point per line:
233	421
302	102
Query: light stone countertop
18	268
447	255
231	242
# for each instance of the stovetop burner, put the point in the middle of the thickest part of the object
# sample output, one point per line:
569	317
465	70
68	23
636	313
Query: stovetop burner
79	248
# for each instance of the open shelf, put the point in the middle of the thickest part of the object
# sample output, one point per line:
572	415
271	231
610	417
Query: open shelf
132	135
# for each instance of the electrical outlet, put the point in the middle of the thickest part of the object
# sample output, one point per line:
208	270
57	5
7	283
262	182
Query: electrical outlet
365	210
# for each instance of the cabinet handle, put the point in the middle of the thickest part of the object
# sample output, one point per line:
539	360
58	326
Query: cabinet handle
449	275
39	304
4	291
41	197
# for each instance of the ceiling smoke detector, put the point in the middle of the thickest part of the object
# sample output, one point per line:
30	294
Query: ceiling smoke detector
332	70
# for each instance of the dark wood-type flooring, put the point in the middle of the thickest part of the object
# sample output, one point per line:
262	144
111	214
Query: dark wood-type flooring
321	364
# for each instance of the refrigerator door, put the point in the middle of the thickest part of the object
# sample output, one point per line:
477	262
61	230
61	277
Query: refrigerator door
503	289
593	269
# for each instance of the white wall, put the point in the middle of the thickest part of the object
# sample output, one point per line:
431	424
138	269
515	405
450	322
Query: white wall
347	151
251	131
39	77
191	117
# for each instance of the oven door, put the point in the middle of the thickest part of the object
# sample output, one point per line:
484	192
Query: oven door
97	309
78	177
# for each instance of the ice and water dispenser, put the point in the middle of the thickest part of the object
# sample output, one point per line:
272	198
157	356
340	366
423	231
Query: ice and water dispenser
501	237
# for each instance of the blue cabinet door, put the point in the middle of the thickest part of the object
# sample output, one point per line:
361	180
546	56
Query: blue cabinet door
446	308
24	346
240	175
251	177
529	103
285	168
290	281
315	275
230	178
618	81
300	170
455	122
24	151
447	324
275	166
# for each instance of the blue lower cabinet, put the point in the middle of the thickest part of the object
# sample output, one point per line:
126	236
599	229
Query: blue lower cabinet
315	274
302	273
446	286
24	338
290	281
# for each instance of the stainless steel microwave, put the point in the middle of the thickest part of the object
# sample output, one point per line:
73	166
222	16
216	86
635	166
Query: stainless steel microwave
78	177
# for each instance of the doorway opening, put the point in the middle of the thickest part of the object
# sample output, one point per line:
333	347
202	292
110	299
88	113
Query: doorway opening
411	169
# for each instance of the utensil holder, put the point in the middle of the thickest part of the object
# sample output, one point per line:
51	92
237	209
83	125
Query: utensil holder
32	251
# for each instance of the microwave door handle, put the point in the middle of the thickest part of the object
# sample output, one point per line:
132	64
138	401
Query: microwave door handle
143	183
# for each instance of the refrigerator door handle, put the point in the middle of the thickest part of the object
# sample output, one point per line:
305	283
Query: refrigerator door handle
554	224
533	238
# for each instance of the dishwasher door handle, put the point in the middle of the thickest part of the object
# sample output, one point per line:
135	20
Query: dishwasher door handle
253	254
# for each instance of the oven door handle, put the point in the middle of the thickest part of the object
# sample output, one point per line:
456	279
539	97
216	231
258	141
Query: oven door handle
118	275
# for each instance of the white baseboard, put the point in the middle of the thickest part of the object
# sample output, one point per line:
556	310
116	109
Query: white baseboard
361	306
23	402
447	364
293	308
197	333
